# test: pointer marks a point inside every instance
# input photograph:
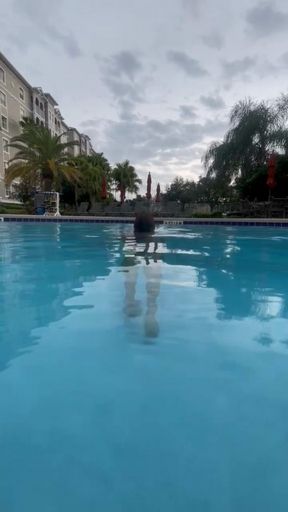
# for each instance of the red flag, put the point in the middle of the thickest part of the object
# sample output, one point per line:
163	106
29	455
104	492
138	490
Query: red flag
149	184
271	181
104	188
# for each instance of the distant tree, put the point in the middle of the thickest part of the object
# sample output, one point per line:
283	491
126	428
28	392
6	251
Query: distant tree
91	170
206	190
24	191
212	190
126	179
181	190
40	157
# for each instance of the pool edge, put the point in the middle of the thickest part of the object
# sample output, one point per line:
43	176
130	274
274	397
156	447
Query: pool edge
161	220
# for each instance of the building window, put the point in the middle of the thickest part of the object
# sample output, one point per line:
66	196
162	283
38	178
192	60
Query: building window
42	124
22	114
3	99
37	120
21	93
4	122
37	102
2	75
5	143
41	105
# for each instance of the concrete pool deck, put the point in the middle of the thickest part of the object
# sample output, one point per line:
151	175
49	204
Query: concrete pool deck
161	220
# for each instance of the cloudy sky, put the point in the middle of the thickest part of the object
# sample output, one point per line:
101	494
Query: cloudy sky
150	80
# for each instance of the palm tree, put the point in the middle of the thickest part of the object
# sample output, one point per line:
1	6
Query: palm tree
126	179
92	169
255	129
40	156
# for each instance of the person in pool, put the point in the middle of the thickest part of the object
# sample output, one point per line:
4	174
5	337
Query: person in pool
144	227
144	223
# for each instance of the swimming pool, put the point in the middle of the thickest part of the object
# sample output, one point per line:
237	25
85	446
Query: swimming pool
143	377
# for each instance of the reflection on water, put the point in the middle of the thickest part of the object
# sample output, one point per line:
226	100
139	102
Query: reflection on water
92	418
44	267
133	255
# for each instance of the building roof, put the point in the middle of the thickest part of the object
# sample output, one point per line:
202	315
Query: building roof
58	113
85	136
65	126
74	130
51	99
14	70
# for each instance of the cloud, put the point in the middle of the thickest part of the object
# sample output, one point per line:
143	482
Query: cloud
145	140
284	59
214	102
123	90
89	123
121	74
125	64
213	40
187	112
190	66
127	109
167	148
264	19
67	41
238	67
193	6
42	26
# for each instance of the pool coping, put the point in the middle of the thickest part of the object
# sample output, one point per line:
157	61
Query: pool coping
161	220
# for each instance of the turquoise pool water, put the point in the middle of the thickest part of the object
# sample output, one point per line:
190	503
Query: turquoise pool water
142	377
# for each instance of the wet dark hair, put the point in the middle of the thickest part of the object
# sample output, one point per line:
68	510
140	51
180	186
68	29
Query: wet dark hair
144	223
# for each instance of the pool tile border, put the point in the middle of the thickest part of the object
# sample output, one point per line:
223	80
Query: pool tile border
279	223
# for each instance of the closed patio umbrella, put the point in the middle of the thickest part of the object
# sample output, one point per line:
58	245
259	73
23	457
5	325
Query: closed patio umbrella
271	178
149	184
158	192
104	188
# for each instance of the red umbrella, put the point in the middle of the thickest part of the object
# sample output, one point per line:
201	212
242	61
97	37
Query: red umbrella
104	188
158	192
149	184
271	181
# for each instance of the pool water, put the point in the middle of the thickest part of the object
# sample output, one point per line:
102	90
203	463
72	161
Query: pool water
147	376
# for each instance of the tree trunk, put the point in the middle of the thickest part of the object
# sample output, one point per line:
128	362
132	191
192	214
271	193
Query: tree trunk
47	185
122	194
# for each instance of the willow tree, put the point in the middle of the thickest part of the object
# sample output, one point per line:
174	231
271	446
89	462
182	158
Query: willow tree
256	128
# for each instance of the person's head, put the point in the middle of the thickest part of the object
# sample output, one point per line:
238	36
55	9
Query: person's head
144	223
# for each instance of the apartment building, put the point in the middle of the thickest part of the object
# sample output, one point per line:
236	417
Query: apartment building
83	147
15	103
18	99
